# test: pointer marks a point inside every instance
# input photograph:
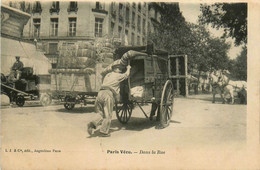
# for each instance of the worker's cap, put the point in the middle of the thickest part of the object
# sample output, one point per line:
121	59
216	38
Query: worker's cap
117	64
17	56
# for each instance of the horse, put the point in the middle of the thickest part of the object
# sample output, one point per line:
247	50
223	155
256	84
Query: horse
239	87
220	85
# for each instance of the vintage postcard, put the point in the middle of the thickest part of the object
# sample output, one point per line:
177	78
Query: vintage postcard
130	85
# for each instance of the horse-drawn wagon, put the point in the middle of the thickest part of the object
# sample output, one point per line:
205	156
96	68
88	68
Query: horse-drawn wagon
28	87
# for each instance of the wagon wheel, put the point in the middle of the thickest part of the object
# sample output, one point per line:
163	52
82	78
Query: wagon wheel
45	99
124	111
20	101
70	102
166	105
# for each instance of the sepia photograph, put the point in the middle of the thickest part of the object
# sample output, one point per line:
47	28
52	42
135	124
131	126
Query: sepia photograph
130	85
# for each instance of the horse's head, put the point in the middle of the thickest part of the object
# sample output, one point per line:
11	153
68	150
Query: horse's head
223	79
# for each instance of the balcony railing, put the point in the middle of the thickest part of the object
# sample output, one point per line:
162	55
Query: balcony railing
37	10
53	10
99	10
73	9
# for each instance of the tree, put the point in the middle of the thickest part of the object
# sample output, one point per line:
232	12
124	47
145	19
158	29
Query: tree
230	16
239	65
179	37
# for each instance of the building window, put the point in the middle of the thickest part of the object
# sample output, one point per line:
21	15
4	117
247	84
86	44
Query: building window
22	6
54	26
139	7
121	12
155	15
139	24
144	43
127	13
36	27
133	20
98	27
126	37
149	27
72	26
112	28
73	7
99	6
133	5
55	7
53	48
37	7
138	40
144	24
119	31
113	9
133	39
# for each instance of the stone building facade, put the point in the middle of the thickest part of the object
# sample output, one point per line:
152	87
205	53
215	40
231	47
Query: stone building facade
53	23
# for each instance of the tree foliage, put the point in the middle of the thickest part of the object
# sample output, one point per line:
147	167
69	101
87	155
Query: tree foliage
179	37
230	16
239	65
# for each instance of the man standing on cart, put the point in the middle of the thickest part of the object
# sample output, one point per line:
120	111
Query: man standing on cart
109	94
16	69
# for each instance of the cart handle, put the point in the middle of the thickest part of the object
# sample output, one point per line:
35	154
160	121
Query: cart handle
16	90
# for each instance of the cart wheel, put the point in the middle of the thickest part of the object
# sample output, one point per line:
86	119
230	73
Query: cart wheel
70	102
166	105
45	99
20	101
124	112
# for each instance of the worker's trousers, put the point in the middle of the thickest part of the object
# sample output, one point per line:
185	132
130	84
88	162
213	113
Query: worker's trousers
104	106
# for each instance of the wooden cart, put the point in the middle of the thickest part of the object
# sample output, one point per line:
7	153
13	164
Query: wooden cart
149	73
28	87
76	86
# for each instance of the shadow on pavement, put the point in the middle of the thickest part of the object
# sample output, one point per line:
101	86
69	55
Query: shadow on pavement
205	98
137	124
97	132
174	121
78	110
